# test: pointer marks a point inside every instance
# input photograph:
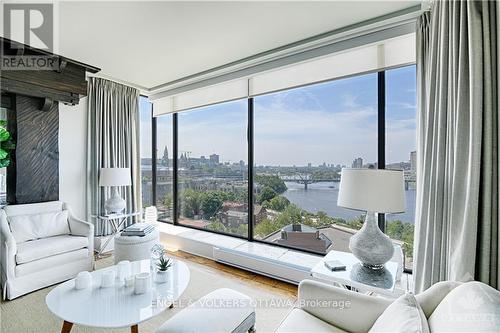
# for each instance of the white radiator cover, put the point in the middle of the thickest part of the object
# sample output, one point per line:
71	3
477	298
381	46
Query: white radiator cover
265	266
224	249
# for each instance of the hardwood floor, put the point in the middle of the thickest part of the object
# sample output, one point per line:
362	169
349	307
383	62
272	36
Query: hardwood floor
260	281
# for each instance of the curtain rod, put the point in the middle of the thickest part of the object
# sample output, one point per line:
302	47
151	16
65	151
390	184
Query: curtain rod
142	90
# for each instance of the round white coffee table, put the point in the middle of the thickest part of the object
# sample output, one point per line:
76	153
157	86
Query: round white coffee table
116	306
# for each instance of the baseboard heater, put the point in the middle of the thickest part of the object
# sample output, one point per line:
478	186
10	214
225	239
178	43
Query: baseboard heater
265	266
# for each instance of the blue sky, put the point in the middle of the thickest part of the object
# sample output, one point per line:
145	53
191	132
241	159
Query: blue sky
332	122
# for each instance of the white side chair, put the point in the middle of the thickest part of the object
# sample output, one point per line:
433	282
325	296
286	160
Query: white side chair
42	244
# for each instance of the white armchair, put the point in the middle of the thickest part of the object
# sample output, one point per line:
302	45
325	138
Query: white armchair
325	308
42	244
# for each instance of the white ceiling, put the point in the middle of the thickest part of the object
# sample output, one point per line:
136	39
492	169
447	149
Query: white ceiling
152	43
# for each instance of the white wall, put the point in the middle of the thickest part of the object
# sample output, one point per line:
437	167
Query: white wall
73	156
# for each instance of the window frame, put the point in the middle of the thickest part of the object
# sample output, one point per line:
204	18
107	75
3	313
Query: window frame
153	149
381	152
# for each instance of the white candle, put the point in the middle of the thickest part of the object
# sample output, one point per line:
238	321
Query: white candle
142	283
129	281
83	280
123	269
108	279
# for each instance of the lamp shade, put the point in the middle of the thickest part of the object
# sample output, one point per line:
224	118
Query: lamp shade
372	190
115	177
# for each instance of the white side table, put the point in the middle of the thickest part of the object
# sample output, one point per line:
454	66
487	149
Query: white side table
134	248
357	276
116	221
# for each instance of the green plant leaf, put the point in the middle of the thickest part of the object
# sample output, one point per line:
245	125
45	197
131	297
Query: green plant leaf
8	145
4	134
4	163
3	154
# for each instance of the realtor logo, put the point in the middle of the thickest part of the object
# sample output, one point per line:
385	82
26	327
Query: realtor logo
29	23
32	25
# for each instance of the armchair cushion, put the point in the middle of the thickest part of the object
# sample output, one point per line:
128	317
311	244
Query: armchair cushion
52	263
34	226
470	307
403	315
300	321
33	208
350	311
46	247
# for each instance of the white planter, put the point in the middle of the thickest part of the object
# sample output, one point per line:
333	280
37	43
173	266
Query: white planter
161	276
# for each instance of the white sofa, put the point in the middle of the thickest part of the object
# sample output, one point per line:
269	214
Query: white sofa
447	306
42	244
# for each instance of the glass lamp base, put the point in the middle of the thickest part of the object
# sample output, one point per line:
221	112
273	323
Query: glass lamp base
115	204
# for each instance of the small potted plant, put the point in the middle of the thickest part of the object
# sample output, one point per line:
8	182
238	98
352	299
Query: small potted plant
163	265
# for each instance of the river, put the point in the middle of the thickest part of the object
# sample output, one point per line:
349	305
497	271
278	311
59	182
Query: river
323	197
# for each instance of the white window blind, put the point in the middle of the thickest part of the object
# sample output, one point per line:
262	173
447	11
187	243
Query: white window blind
223	92
394	52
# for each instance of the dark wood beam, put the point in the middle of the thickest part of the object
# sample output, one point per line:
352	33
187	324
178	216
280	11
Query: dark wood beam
64	82
10	47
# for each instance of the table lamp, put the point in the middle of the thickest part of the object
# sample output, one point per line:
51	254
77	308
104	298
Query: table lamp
114	177
373	191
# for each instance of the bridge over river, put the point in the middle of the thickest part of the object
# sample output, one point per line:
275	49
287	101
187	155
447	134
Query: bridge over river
306	179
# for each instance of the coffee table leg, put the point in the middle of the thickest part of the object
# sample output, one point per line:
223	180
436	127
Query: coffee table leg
134	329
66	327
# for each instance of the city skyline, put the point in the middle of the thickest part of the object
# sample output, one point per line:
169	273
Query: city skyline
358	162
332	122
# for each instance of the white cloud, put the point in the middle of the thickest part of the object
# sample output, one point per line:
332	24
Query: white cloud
293	131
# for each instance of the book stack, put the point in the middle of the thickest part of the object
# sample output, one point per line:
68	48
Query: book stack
138	229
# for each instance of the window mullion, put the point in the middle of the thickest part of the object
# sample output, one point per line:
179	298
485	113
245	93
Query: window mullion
175	200
381	132
250	134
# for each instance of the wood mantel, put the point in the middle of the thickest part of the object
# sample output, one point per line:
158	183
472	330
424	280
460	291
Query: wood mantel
65	83
31	98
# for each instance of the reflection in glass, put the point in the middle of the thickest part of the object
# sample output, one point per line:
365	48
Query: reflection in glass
380	278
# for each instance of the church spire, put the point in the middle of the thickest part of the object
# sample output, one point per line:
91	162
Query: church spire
164	159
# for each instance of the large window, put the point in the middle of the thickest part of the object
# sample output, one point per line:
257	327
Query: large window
164	168
145	114
303	138
297	142
401	151
212	168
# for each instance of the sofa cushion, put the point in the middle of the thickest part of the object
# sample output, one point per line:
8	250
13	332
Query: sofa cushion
300	321
46	247
51	263
35	226
34	208
430	298
471	307
403	315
